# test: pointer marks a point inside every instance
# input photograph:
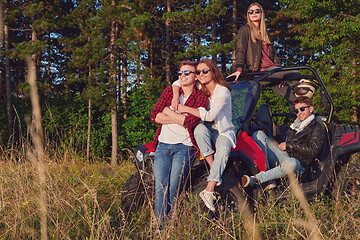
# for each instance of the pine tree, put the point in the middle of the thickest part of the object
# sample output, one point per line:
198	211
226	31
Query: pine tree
329	34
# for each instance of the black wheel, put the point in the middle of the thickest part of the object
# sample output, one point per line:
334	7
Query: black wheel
348	181
229	196
137	191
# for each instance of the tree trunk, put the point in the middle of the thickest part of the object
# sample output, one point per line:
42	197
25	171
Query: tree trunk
124	86
234	31
167	44
9	108
37	134
213	39
114	126
38	138
354	109
2	24
88	131
4	38
48	76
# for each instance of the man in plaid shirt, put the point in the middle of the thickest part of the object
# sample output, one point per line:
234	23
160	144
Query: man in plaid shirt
174	140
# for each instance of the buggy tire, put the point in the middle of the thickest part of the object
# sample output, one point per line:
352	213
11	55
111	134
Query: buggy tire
137	191
348	181
229	195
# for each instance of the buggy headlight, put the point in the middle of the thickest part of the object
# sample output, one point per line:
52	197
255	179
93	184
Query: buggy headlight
139	155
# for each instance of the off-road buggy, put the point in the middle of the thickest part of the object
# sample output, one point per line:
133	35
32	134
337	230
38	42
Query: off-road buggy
332	170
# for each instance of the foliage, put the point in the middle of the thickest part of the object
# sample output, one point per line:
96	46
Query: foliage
137	127
65	123
73	51
331	33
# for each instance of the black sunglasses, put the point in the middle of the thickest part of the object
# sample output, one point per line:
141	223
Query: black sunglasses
186	72
302	90
296	111
254	11
204	71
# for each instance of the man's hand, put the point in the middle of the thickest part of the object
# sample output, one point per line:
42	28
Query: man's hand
166	110
282	146
181	108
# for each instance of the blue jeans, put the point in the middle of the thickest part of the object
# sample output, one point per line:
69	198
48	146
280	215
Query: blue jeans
207	136
171	165
278	162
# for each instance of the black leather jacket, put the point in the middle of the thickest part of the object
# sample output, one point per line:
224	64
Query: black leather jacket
307	144
249	53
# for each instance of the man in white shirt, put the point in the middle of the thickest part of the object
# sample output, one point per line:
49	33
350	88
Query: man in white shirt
174	140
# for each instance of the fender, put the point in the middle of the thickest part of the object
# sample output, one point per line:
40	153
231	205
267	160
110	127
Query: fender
349	139
248	146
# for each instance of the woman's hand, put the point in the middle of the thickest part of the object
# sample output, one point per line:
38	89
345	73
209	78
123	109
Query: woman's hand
236	74
176	97
282	84
175	102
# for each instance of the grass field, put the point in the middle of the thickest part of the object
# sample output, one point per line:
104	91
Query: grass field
83	201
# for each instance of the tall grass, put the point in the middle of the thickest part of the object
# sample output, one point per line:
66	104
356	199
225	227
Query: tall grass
84	202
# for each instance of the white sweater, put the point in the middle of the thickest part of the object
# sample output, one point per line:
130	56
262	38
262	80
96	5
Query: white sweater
220	111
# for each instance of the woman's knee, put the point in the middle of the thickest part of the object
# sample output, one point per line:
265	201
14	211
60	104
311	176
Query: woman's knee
200	130
290	165
258	135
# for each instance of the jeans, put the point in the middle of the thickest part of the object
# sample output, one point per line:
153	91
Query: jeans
207	136
278	162
171	165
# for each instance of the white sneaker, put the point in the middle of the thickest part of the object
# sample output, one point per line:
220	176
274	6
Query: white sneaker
208	198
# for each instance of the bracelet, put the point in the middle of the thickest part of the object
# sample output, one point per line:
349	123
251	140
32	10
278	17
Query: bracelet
171	108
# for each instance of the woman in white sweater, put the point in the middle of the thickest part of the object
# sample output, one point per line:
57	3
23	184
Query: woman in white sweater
216	128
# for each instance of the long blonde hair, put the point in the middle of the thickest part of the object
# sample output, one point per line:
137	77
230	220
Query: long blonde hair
263	36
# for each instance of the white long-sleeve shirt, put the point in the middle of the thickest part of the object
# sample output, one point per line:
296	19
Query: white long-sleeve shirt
220	112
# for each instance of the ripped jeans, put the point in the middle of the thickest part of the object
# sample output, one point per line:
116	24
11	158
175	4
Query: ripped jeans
207	136
278	162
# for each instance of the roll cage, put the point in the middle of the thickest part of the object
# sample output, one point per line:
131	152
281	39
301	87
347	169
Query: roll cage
306	72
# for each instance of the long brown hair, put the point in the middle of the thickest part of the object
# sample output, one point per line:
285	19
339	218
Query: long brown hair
263	36
218	76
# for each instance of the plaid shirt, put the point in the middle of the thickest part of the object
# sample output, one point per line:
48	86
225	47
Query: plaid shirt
196	99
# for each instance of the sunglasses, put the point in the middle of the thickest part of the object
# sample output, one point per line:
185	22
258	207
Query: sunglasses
204	71
302	90
296	111
254	11
186	72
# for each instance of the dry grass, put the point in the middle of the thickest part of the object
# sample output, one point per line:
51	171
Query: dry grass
84	202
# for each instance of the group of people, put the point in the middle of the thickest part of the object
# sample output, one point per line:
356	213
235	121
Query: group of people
189	118
196	113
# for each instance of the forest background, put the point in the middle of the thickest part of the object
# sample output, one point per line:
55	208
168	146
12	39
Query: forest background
101	65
